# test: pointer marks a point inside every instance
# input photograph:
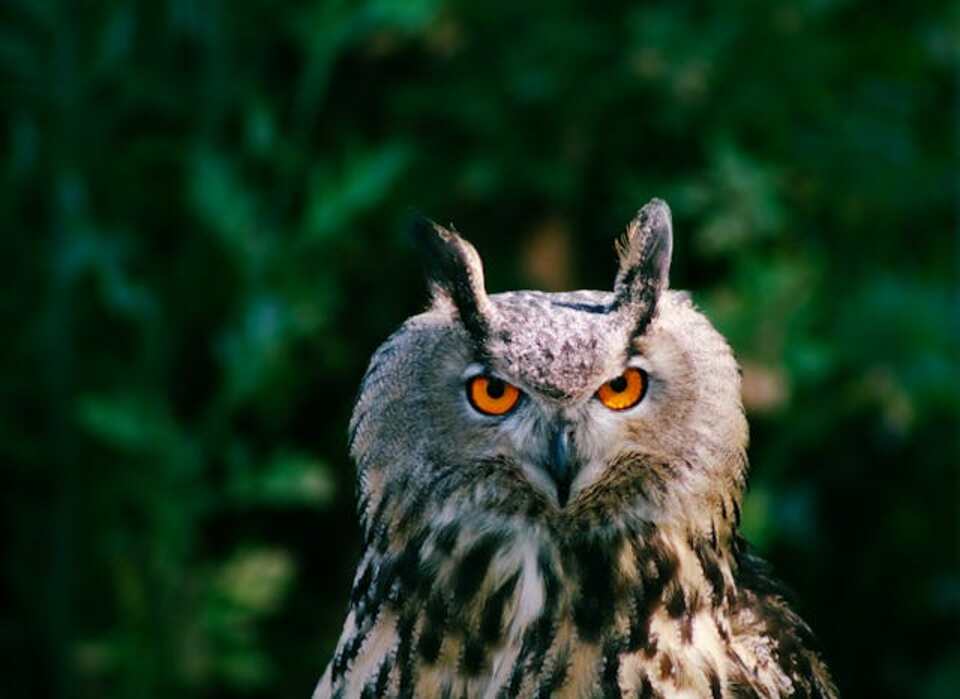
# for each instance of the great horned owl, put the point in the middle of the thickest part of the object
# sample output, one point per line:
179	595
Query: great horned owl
549	497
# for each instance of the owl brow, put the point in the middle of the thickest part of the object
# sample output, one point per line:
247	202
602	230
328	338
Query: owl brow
594	308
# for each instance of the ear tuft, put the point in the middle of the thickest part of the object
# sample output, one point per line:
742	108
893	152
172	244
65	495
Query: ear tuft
645	252
454	272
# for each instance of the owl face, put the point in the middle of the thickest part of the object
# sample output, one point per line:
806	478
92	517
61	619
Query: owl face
579	405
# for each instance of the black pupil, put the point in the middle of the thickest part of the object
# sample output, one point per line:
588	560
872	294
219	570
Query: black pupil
495	388
619	384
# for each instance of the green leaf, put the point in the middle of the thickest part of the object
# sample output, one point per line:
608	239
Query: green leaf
288	479
338	195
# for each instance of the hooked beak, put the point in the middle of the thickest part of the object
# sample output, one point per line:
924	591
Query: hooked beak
561	464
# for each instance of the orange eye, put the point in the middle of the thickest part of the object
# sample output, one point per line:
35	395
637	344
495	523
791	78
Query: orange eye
492	396
625	391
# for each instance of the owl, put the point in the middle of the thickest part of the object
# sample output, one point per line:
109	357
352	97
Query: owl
549	491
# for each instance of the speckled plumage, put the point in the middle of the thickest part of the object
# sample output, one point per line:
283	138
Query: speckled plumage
478	579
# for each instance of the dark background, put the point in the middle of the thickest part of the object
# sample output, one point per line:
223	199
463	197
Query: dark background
203	210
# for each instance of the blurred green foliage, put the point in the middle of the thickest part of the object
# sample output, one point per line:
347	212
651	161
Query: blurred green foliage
203	208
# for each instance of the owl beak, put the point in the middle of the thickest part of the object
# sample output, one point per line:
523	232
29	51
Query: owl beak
560	464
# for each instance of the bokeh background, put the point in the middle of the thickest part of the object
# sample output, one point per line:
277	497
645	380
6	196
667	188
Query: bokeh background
203	210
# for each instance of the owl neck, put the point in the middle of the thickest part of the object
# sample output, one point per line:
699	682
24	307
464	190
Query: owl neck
597	566
463	569
694	545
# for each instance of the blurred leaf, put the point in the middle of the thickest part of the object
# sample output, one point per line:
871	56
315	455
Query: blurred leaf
256	580
742	202
338	196
757	525
125	422
943	681
229	208
288	479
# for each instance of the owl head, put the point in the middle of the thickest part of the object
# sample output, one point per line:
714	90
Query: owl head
571	410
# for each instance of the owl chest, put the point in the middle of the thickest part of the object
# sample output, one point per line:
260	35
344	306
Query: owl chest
539	631
522	619
636	652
